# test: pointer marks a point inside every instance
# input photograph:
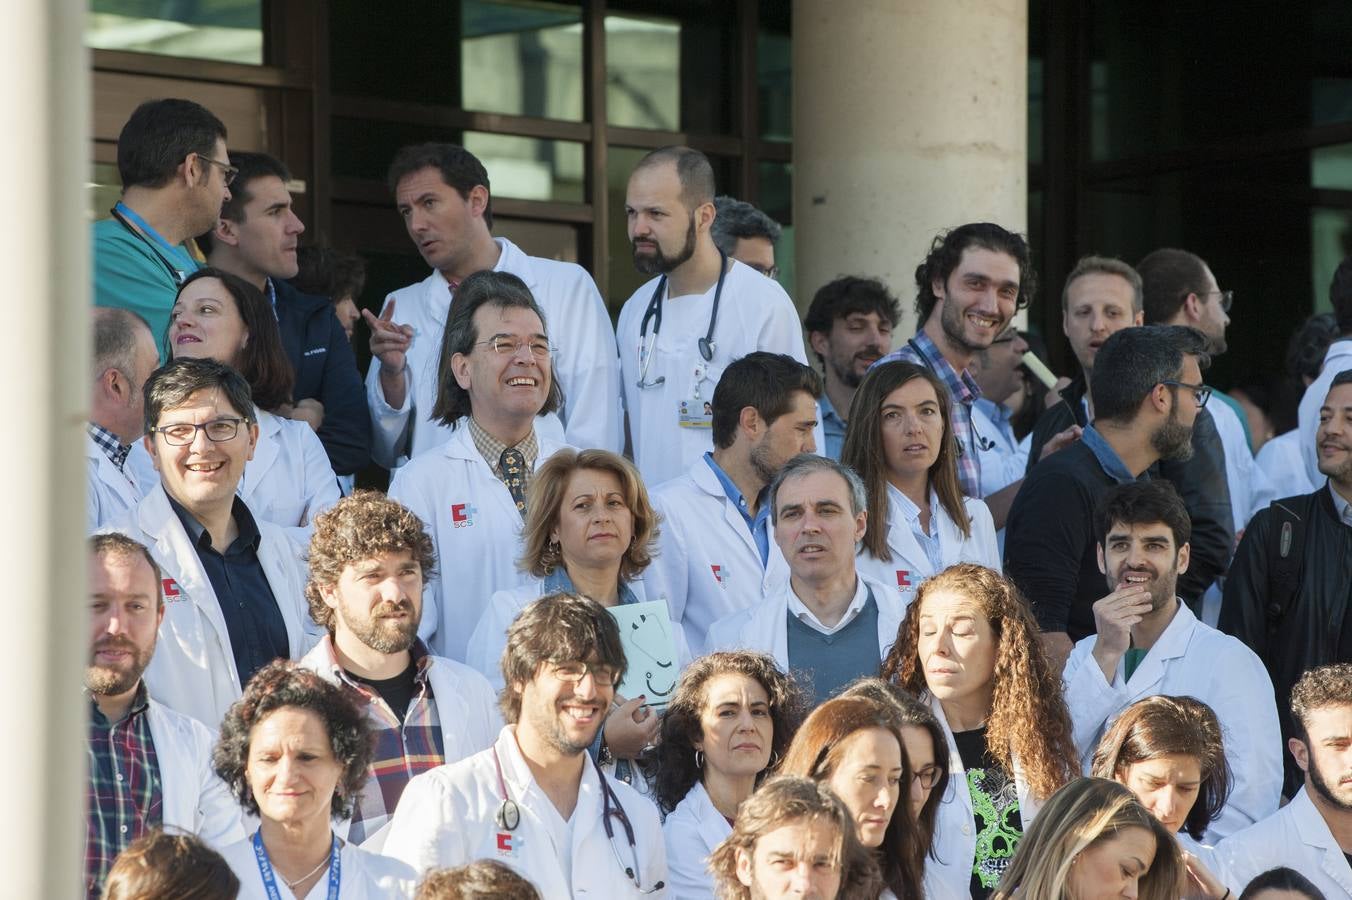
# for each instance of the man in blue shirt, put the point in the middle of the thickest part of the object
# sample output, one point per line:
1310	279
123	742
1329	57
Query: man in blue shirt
175	172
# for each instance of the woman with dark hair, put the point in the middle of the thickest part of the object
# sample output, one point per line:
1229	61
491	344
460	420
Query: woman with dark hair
854	746
900	441
1280	884
1168	751
970	648
162	865
295	751
220	316
731	718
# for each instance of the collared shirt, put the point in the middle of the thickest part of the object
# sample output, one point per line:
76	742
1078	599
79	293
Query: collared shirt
833	426
490	448
558	581
1343	507
271	292
799	610
1107	457
963	390
402	748
252	618
114	449
906	508
1004	458
123	795
758	525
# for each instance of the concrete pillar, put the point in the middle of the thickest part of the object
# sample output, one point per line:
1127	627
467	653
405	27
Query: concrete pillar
44	255
909	116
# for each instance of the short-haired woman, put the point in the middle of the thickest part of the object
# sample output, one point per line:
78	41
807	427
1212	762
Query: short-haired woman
162	865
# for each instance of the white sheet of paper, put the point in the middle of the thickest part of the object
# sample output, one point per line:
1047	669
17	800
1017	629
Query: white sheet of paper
650	649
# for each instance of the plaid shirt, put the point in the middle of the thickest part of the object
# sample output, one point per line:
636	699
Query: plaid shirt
402	749
963	390
114	449
123	798
490	448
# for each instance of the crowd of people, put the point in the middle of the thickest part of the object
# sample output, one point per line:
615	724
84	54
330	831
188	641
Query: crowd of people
662	609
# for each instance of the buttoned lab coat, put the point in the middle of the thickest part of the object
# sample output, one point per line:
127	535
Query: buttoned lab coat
764	627
193	799
193	669
109	493
447	818
910	566
585	365
476	532
1295	836
1192	659
707	565
692	831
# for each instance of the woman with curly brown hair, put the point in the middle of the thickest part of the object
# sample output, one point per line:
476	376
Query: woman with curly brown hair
731	718
970	647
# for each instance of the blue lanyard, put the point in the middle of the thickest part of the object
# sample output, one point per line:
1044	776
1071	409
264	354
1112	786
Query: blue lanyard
131	215
270	880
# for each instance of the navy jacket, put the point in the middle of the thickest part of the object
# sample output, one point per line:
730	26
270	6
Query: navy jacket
326	370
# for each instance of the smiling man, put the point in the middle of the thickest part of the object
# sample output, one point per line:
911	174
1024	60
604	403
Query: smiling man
829	622
369	560
1148	642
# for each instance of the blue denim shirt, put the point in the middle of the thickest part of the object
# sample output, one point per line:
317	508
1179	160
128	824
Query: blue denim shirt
833	426
759	526
1107	457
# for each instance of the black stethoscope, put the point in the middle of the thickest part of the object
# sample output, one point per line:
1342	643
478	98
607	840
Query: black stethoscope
654	314
508	817
137	232
985	444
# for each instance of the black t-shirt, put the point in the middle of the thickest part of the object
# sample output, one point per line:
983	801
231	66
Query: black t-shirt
397	692
995	810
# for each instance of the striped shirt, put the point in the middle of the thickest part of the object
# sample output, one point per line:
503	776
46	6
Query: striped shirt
123	796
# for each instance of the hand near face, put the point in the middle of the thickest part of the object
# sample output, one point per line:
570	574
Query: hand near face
1114	616
389	341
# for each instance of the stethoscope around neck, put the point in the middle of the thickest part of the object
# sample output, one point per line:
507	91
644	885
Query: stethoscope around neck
508	817
653	314
985	444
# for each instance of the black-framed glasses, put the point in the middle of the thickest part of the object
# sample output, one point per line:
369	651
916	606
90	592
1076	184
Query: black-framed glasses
229	170
506	345
1227	298
1202	392
573	672
767	271
928	777
181	434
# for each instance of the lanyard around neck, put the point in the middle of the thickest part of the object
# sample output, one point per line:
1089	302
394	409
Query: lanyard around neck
270	878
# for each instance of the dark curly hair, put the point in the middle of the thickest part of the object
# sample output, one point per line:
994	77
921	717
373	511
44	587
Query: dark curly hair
280	684
675	753
356	528
946	252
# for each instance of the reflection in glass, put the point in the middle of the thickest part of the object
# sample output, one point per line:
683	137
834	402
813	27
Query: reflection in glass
643	72
776	201
528	168
227	30
1331	167
522	58
104	190
774	52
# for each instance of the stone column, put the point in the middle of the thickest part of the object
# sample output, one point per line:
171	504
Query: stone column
909	116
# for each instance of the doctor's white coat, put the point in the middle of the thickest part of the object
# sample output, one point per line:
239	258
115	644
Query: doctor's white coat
1295	836
692	831
110	493
193	798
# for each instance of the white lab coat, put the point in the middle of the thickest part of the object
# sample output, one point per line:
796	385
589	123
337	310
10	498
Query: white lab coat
909	565
193	669
1295	836
955	827
476	532
1280	458
707	565
193	798
764	627
1336	359
692	831
753	314
585	365
363	876
1250	487
446	818
1192	659
109	493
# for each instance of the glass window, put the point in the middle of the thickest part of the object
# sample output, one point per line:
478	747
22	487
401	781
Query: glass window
529	168
227	30
643	72
105	189
522	58
776	201
395	51
774	64
1331	167
363	149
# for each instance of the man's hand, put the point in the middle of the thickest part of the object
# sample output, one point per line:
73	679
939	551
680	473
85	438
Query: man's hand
1057	645
1114	616
631	727
389	344
1060	441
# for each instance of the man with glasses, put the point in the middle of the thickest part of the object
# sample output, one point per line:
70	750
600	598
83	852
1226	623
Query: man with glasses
999	373
746	234
171	158
535	800
233	585
1146	393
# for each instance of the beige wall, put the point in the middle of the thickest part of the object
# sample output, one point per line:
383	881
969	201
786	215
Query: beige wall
909	116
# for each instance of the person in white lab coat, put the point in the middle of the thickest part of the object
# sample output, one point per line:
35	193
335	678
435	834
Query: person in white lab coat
1282	457
295	751
1149	642
1337	358
1313	833
829	624
496	376
535	800
732	716
900	441
124	357
1169	752
148	766
233	585
970	647
679	332
715	555
442	193
369	560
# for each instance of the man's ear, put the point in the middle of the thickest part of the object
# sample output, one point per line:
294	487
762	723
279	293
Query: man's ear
750	421
1102	563
820	341
148	441
226	231
329	594
744	866
478	200
1299	752
460	369
1184	557
705	214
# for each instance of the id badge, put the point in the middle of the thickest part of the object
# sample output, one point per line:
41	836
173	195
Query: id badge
696	409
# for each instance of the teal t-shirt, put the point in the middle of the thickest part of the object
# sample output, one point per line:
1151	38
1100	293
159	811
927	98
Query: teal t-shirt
128	274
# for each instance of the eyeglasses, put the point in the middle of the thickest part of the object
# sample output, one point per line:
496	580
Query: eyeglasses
767	271
929	776
504	345
573	672
1227	298
181	434
1202	392
229	170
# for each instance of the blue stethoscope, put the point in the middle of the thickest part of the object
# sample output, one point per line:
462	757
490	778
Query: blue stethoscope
508	817
654	314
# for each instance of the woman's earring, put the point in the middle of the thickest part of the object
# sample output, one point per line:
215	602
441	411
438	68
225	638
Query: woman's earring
699	760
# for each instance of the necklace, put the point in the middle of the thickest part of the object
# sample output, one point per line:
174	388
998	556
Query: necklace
291	885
